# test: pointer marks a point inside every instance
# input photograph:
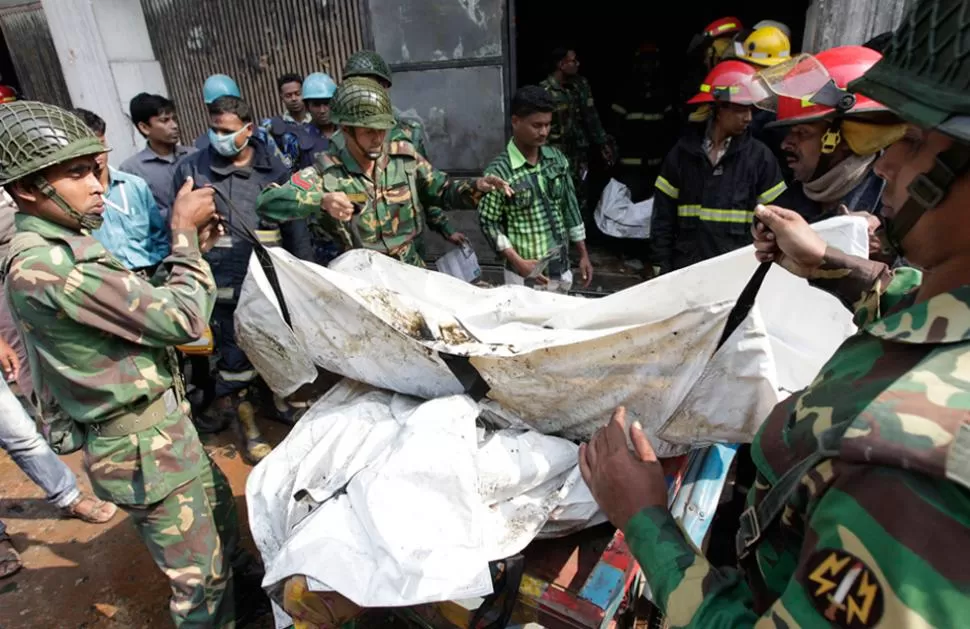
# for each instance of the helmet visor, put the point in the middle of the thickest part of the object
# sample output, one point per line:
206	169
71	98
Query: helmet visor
801	77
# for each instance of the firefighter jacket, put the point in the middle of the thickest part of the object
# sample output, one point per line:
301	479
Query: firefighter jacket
704	209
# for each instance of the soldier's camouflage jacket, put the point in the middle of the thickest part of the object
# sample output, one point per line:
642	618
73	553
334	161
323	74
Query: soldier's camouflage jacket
405	193
101	336
877	535
575	123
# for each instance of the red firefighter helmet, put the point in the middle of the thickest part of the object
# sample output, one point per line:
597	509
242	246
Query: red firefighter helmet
729	82
723	27
843	64
7	94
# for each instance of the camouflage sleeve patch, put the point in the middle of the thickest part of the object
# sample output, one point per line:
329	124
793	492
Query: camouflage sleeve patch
301	182
843	589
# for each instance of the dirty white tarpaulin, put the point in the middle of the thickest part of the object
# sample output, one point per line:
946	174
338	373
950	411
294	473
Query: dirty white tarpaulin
392	500
560	363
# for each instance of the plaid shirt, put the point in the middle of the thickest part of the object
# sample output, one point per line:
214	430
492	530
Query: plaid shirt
543	212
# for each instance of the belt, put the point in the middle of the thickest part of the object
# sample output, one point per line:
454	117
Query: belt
135	421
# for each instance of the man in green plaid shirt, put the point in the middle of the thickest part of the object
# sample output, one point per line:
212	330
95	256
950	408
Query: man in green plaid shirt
533	228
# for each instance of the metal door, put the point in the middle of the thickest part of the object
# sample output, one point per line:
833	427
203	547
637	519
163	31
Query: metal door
450	60
254	41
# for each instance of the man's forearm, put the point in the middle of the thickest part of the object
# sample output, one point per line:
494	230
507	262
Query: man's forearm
581	248
512	256
857	282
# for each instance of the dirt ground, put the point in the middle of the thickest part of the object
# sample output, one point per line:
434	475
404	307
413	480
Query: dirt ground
79	575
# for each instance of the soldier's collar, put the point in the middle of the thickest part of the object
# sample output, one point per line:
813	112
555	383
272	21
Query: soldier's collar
941	319
43	227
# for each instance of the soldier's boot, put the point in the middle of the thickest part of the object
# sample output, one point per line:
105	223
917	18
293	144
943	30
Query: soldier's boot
255	448
250	598
271	406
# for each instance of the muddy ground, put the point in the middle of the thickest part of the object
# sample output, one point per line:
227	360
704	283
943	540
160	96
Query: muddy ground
79	575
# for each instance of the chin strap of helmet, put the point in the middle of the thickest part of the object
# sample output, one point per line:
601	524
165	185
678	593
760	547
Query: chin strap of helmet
842	101
928	191
86	221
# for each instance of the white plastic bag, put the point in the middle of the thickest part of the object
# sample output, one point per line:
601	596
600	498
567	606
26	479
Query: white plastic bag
618	216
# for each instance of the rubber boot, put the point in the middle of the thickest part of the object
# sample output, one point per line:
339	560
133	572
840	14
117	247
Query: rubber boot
286	412
255	447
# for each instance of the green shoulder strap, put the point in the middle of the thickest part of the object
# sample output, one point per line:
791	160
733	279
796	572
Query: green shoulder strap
756	518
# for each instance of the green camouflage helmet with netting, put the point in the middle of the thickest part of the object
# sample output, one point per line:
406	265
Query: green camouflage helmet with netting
362	102
367	63
35	136
924	75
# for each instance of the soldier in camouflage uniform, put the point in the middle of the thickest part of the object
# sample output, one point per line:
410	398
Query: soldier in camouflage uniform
575	123
860	513
99	340
370	64
375	193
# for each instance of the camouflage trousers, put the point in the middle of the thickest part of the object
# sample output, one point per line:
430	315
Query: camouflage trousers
193	536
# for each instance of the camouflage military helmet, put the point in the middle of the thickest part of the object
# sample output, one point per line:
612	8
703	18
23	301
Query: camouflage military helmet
34	136
362	102
367	63
924	76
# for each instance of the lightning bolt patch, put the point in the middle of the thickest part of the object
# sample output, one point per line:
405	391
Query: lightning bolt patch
843	589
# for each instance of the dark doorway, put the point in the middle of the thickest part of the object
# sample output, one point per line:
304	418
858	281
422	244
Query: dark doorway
8	74
605	35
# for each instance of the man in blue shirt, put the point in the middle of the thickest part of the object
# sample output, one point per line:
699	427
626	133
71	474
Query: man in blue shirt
133	229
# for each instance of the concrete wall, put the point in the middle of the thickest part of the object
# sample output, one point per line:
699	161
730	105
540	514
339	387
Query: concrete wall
107	58
842	22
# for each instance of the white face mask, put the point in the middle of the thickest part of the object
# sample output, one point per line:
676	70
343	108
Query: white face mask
225	144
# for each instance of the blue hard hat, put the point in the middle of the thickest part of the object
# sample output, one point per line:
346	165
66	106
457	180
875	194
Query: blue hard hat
219	85
318	86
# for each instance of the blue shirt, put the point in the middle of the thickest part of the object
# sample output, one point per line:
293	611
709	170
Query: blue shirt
133	230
